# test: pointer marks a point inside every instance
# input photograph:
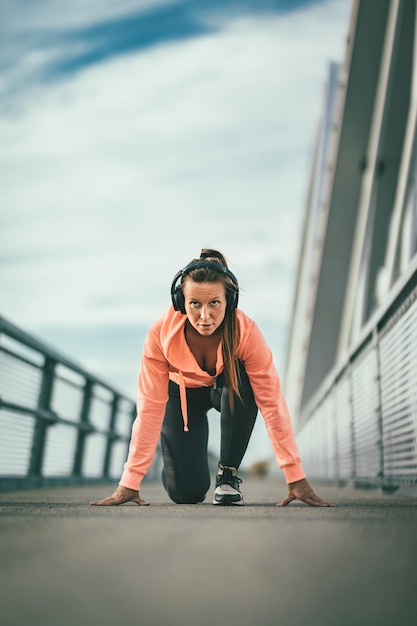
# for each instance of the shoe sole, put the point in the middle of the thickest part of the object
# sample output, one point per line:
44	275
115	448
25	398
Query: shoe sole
228	501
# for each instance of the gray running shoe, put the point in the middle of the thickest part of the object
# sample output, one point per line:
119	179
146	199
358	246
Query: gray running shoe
227	490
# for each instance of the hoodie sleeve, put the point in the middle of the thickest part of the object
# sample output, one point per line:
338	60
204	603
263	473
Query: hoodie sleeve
151	402
269	398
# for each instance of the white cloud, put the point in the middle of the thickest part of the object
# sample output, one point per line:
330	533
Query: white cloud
116	177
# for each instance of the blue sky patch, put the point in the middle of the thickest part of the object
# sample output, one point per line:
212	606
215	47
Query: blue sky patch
85	46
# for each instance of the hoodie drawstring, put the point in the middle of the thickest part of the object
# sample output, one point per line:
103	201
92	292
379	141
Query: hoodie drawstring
183	398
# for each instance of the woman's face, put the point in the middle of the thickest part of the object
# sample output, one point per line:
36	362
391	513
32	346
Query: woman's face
205	305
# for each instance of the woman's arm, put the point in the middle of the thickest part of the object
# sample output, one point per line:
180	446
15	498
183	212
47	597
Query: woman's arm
270	400
151	403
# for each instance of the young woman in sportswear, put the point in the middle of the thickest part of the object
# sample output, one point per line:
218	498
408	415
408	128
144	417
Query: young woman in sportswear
203	353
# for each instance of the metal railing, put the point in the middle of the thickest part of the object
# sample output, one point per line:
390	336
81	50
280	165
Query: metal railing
59	425
361	425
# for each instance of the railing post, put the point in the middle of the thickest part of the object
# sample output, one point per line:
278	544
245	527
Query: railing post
41	427
84	429
352	425
379	407
111	437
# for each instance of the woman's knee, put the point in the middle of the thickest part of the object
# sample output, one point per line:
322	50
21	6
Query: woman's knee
187	495
185	482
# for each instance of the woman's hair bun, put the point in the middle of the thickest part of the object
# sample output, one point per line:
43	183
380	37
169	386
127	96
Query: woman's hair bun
212	255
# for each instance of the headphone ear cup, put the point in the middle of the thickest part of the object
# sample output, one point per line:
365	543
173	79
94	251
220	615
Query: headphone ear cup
178	300
235	299
231	300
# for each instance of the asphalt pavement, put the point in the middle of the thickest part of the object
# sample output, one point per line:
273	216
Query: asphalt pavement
65	563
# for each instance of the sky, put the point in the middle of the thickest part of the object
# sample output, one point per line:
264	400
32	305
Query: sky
135	132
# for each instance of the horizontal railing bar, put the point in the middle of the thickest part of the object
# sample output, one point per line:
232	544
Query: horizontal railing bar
20	357
13	331
54	418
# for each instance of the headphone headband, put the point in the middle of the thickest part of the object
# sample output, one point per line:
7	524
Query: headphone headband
177	296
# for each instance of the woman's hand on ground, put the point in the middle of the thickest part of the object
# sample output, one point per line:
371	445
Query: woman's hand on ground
301	490
120	496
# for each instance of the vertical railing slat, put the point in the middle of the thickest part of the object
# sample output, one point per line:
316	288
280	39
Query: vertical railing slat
44	403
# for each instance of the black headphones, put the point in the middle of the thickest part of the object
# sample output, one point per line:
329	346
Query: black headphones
232	297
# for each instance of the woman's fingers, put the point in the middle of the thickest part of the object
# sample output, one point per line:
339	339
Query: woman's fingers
301	490
286	501
140	502
316	501
110	501
120	496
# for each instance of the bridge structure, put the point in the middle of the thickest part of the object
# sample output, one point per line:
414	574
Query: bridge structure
350	383
351	374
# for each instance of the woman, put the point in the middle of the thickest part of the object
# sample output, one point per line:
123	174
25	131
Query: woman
203	353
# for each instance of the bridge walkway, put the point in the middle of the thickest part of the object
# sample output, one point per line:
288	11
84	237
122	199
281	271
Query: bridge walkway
65	563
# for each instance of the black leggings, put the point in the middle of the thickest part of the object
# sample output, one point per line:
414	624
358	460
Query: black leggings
186	475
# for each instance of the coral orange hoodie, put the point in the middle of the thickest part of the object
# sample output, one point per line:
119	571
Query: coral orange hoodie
166	355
